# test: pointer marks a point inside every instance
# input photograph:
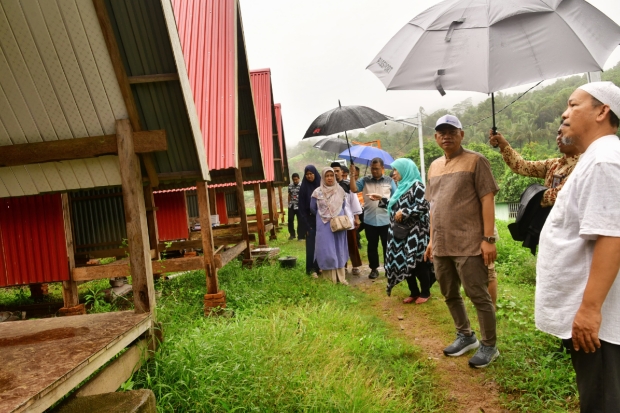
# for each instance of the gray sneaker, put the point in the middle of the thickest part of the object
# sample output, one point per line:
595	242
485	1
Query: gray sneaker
483	357
461	345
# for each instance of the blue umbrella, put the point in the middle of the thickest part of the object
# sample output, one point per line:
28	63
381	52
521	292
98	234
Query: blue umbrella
364	154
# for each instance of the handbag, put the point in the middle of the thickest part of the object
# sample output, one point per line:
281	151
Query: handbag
400	231
340	223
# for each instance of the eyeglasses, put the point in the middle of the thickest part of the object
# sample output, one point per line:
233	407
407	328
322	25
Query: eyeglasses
449	132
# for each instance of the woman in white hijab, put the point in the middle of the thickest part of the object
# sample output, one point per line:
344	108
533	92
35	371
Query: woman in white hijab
331	253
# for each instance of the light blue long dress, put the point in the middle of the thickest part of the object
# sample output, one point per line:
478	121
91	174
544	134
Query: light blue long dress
331	251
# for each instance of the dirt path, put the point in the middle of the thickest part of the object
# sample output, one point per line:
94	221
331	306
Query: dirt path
473	391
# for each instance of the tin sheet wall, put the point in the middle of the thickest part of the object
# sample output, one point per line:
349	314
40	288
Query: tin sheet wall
32	240
172	223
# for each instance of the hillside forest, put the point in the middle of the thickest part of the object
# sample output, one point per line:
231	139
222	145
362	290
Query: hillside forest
529	123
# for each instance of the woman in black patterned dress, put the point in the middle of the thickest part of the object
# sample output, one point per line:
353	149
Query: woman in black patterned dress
405	256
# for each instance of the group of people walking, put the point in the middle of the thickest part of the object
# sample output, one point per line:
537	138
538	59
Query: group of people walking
451	224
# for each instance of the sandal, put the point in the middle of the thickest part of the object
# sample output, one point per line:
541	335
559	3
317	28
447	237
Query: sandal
421	300
409	300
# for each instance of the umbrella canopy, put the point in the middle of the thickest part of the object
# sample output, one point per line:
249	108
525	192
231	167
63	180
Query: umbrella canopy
342	119
489	45
333	145
364	154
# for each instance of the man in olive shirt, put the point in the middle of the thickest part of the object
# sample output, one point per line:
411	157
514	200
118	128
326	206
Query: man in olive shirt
461	191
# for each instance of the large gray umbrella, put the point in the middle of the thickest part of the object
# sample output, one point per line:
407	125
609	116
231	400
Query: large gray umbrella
489	45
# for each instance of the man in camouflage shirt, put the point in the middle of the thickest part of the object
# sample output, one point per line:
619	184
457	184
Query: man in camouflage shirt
555	171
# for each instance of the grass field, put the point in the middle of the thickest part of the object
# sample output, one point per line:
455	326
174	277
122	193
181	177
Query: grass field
289	343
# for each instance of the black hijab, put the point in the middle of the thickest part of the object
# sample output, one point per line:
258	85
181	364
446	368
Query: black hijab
305	195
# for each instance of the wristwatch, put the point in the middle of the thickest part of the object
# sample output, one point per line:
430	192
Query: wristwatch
490	240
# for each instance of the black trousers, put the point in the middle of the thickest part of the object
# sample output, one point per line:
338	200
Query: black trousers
301	232
373	234
598	377
422	273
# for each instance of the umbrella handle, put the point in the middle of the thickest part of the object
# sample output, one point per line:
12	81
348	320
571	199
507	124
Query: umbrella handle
348	147
493	110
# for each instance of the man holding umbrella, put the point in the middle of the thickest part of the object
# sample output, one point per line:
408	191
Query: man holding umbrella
577	283
376	188
461	191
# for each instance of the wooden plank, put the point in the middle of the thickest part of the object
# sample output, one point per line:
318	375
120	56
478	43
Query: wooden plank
204	214
236	220
260	224
117	63
232	253
180	245
70	295
242	214
116	373
151	220
178	265
281	204
81	345
245	163
272	210
212	201
160	77
233	239
149	164
80	148
135	217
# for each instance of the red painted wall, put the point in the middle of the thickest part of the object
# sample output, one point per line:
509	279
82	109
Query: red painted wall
171	216
32	240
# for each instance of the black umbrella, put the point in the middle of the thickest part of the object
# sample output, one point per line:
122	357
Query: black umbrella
343	119
334	145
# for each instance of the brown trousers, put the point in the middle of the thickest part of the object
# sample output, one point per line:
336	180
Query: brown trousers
354	252
471	273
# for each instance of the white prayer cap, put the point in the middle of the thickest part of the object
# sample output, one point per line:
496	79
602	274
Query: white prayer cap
606	92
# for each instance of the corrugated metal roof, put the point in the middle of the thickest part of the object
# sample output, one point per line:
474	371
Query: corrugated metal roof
263	105
282	140
214	48
57	83
171	216
32	240
146	48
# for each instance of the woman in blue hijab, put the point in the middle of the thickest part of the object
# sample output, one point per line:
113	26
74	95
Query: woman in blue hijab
310	182
408	234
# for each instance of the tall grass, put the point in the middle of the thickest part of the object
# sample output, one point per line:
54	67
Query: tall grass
293	344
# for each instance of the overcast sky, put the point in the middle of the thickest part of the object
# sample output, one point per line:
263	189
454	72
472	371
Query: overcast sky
318	52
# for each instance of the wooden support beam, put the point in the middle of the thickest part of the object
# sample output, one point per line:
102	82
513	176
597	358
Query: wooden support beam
245	163
117	63
204	213
70	295
135	217
180	245
242	214
149	165
272	210
232	239
79	148
98	272
160	77
212	201
281	204
232	253
151	219
262	240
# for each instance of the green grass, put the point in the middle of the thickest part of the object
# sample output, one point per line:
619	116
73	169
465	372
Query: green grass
294	344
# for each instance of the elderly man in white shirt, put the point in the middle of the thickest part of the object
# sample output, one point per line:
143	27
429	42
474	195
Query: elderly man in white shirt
577	285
